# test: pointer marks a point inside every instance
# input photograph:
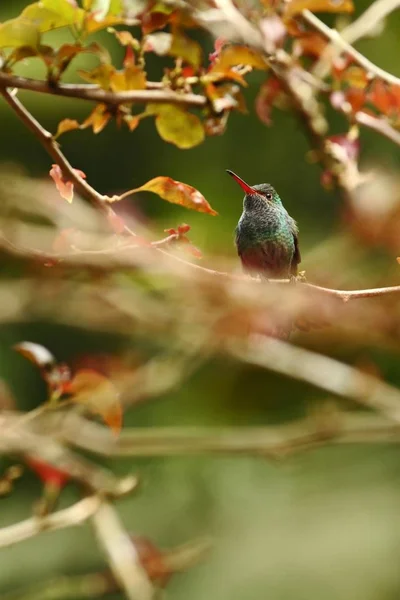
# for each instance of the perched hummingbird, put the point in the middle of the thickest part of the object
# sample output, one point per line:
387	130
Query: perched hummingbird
266	235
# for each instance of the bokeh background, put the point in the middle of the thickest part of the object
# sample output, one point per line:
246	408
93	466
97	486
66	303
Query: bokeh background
322	524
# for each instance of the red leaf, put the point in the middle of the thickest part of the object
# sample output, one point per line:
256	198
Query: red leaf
65	187
47	473
266	96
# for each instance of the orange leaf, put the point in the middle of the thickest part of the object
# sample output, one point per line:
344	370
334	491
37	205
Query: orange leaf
177	193
98	394
295	7
132	121
66	125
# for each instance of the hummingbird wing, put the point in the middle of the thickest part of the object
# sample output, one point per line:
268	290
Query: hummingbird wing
296	256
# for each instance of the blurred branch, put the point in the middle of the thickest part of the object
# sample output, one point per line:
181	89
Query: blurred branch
121	554
321	371
368	20
96	94
94	585
340	43
71	516
275	442
18	438
379	125
361	27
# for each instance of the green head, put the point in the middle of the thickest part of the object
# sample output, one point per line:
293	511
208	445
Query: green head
260	194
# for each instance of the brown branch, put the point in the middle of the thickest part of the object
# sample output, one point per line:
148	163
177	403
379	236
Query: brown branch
69	517
123	257
96	94
52	147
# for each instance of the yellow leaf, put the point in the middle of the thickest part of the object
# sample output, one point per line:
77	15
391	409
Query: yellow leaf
98	395
97	119
177	193
66	125
295	7
132	78
100	75
176	125
19	32
184	47
232	56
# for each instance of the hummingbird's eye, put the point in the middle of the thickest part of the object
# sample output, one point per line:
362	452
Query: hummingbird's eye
268	196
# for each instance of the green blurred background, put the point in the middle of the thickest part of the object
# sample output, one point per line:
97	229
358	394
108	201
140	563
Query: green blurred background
323	524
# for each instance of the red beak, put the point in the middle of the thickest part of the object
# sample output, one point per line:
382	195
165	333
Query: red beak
245	187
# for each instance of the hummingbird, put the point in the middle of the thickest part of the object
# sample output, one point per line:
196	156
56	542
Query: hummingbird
266	235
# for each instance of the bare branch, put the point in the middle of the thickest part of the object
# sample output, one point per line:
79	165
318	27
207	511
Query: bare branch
18	438
369	19
96	94
52	147
273	442
69	517
379	125
341	44
121	554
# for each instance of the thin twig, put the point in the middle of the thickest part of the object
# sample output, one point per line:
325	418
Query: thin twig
96	94
341	44
52	147
121	554
379	125
93	585
123	257
361	27
69	517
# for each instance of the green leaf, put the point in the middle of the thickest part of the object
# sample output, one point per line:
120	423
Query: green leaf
53	14
19	32
177	193
177	126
